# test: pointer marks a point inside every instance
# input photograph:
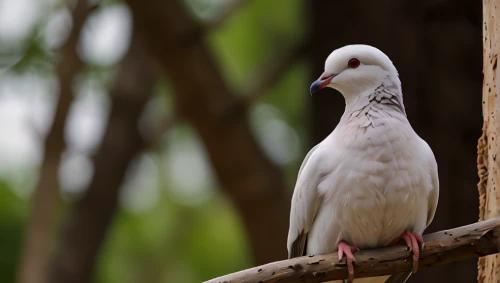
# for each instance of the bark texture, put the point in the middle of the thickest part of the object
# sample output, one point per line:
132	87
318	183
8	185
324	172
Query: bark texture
478	239
488	146
247	176
436	47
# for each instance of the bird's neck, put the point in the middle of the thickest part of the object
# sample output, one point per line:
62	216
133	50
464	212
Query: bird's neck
382	96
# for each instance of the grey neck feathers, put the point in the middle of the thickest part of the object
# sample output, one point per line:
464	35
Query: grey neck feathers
385	100
387	96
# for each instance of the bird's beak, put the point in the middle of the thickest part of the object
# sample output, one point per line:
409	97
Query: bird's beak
322	82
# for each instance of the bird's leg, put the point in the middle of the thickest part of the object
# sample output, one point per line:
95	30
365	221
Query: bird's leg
412	241
344	248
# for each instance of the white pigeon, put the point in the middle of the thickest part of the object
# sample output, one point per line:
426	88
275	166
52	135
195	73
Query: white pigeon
373	181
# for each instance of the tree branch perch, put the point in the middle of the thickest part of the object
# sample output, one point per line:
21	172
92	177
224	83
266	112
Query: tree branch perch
474	240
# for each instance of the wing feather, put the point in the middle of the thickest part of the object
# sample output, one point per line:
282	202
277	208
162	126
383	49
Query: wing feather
305	203
434	193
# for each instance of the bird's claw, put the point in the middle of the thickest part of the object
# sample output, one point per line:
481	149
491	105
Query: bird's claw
344	248
412	241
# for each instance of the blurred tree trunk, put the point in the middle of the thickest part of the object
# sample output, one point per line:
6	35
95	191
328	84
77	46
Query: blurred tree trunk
32	267
436	46
88	221
248	177
488	146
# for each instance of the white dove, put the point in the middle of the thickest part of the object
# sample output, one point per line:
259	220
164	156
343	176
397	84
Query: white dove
373	181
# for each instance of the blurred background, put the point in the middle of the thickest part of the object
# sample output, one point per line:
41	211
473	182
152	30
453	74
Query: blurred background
159	141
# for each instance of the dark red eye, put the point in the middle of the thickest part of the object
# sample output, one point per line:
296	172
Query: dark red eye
353	63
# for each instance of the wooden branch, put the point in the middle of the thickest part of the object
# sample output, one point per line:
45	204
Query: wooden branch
488	146
44	203
475	240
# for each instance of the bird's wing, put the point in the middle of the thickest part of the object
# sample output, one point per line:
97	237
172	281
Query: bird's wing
305	203
434	194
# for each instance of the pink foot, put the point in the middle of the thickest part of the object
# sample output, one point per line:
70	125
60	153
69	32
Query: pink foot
412	241
344	248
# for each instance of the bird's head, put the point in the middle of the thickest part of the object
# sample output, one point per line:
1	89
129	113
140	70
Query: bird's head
353	69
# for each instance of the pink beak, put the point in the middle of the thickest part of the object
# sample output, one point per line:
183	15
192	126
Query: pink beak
322	82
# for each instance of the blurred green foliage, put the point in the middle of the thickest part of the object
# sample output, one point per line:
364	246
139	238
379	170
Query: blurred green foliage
174	243
173	240
13	212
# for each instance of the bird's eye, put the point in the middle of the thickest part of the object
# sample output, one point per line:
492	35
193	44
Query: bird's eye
353	63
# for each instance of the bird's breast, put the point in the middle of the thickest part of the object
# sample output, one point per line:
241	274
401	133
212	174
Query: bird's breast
375	190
